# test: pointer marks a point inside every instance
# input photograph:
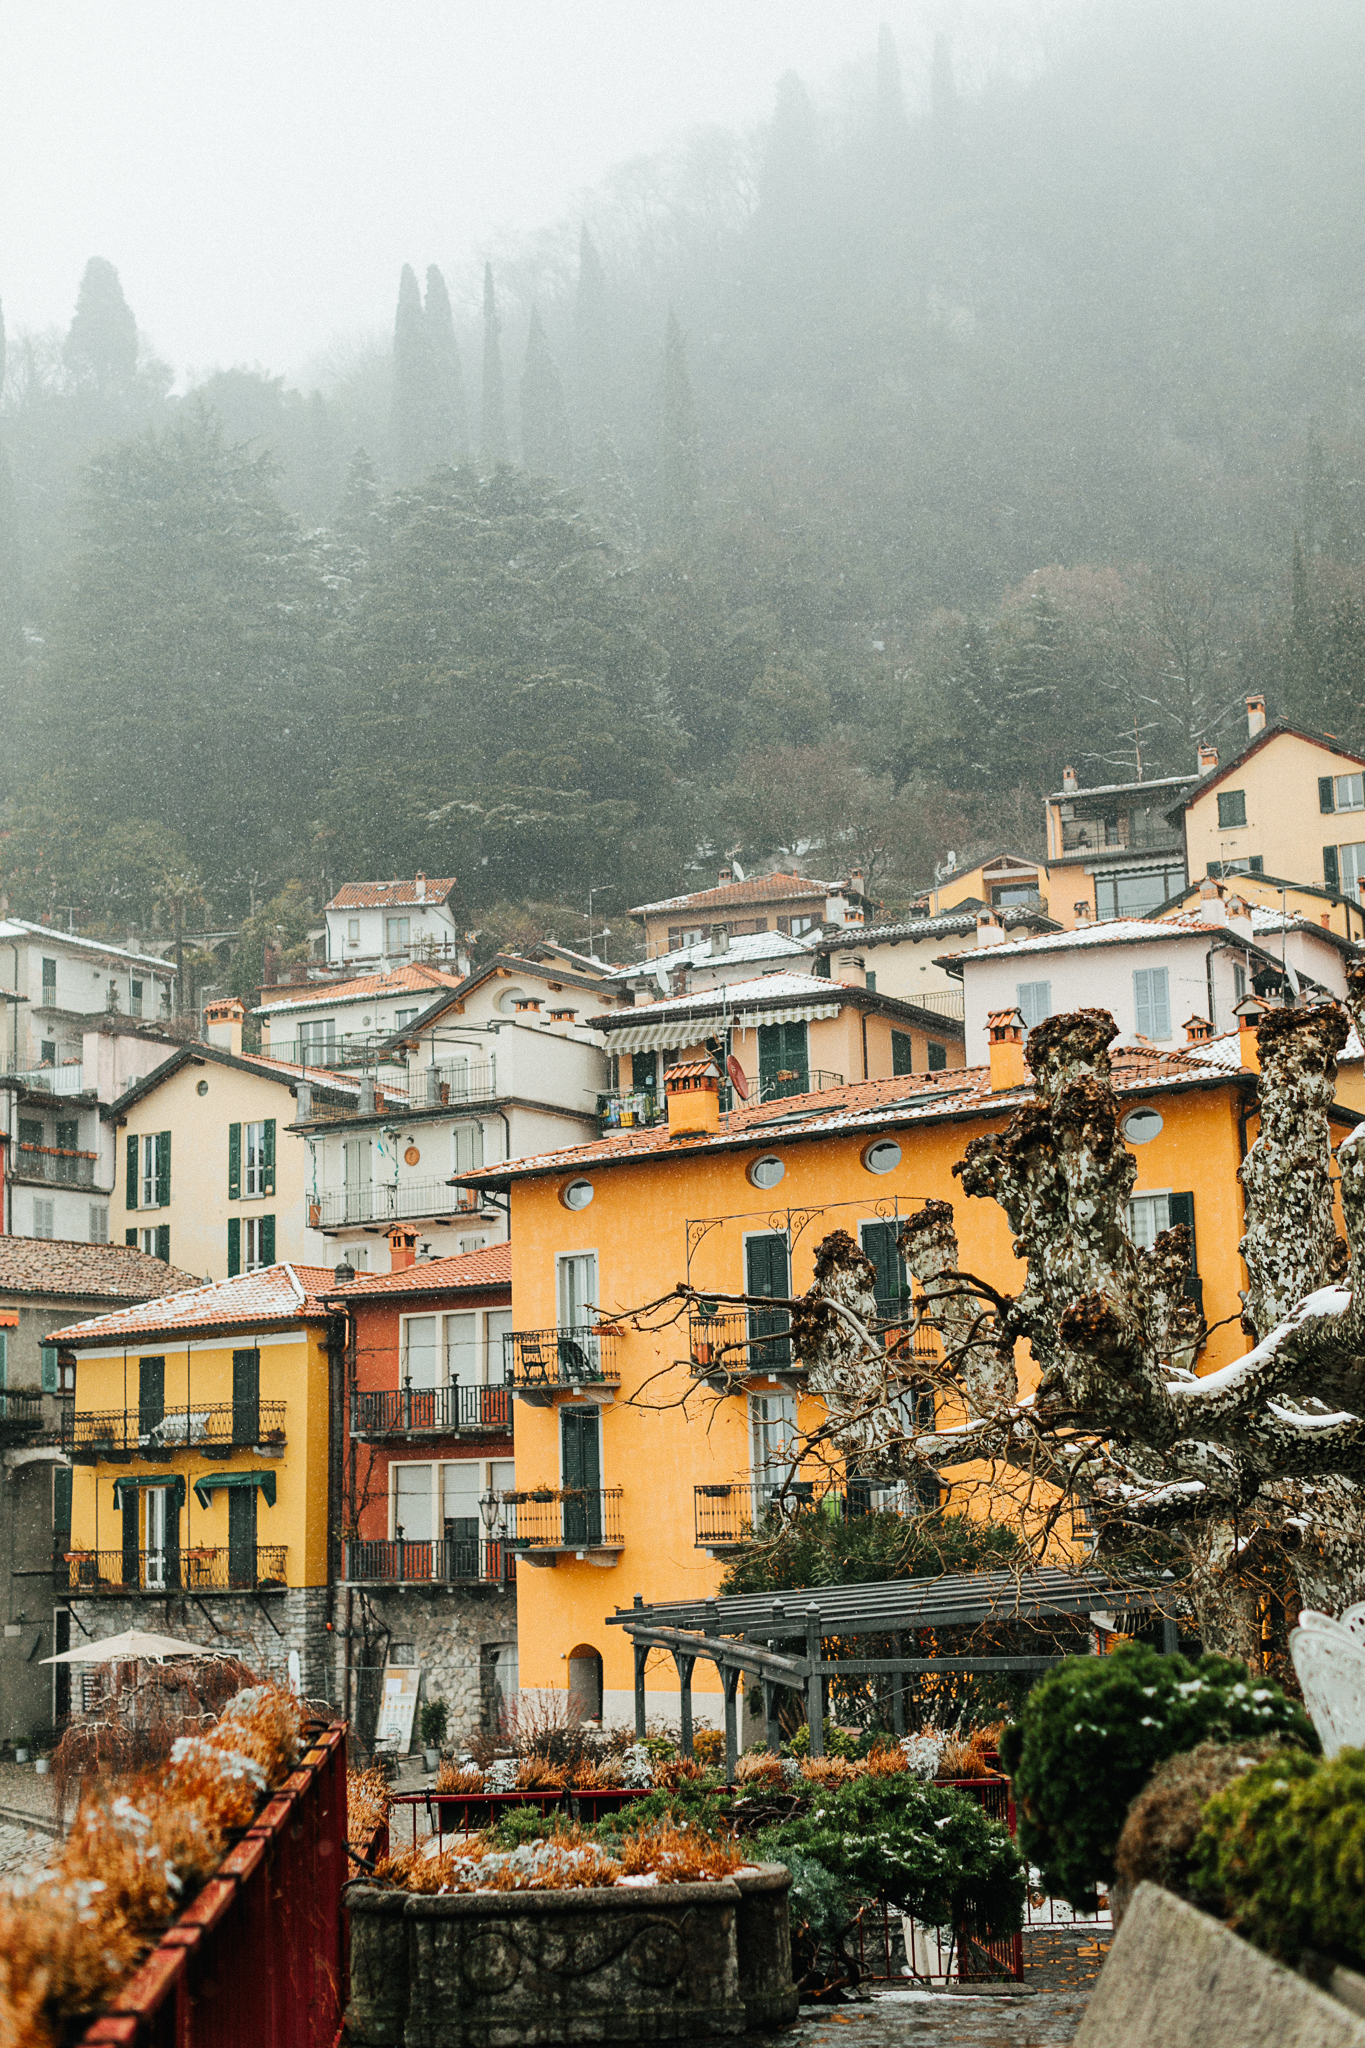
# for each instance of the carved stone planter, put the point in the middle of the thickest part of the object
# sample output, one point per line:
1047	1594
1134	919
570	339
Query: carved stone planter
678	1963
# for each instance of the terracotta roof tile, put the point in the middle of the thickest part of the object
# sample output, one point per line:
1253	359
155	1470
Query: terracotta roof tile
46	1265
491	1267
417	979
758	889
379	895
277	1294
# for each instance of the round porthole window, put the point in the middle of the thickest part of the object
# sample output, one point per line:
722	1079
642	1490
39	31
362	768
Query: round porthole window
577	1194
1141	1125
202	1089
882	1156
767	1171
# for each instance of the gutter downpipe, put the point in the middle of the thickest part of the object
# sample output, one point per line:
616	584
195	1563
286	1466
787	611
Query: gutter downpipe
338	1338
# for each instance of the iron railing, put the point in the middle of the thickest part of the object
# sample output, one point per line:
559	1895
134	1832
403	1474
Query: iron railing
93	1574
564	1517
944	1002
451	1082
65	1079
449	1561
22	1414
740	1341
334	1208
728	1516
216	1426
55	1166
797	1081
442	1411
583	1355
624	1109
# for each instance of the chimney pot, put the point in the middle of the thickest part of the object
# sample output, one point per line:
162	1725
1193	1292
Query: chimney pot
420	887
989	931
1069	782
693	1091
344	1272
402	1247
1197	1029
727	874
1255	716
720	938
1082	911
1208	758
223	1024
1248	1014
1005	1031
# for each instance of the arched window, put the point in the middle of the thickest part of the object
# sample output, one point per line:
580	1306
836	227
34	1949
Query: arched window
585	1682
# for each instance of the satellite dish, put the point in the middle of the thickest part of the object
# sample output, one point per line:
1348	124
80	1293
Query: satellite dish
739	1080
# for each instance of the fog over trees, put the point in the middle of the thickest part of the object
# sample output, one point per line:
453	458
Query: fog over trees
829	486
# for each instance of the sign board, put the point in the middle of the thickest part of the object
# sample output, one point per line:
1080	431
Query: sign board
397	1706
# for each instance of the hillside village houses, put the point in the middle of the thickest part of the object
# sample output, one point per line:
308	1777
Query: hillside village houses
375	926
778	902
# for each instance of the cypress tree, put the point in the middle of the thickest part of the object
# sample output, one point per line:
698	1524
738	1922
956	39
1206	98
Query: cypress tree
449	413
591	341
493	412
546	446
410	404
100	350
679	471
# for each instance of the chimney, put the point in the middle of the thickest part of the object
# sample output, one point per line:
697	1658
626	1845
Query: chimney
420	887
1069	782
303	1102
1082	911
1208	758
366	1104
1197	1030
1239	917
727	874
402	1247
223	1024
677	981
855	879
1255	716
344	1272
1212	908
720	938
989	930
1005	1030
1248	1014
693	1091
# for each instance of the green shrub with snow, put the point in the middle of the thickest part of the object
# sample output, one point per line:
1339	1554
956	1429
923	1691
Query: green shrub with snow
1095	1729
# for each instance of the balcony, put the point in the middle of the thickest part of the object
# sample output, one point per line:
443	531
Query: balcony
549	1522
115	1574
735	1345
66	1079
451	1082
27	1416
944	1002
431	1411
54	1166
409	1201
628	1109
794	1081
450	1561
543	1365
216	1430
726	1517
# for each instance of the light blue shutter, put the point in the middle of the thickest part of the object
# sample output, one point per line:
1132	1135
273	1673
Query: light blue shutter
47	1354
1151	1002
1035	1002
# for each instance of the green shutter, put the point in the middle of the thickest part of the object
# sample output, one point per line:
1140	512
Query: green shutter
163	1169
267	1240
130	1237
234	1246
268	1159
131	1190
163	1242
1326	796
4	1358
1330	874
902	1053
47	1354
234	1162
1182	1211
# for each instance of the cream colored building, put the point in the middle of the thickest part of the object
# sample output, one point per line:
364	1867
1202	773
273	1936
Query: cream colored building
1290	805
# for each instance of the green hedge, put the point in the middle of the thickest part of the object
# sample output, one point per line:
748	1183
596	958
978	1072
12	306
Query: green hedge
1094	1730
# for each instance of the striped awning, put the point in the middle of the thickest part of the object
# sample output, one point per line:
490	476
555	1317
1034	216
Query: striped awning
695	1030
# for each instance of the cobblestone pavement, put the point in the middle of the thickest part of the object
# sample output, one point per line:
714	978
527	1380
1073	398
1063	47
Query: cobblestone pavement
22	1850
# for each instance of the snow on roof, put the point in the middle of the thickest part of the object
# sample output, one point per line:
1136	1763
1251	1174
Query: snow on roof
490	1267
281	1293
775	888
380	895
416	979
948	924
21	928
764	989
1062	796
1122	931
745	946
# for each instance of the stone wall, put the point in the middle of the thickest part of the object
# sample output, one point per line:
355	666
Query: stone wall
261	1631
449	1633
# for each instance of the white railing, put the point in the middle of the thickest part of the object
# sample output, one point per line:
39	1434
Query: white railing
63	1080
944	1002
334	1208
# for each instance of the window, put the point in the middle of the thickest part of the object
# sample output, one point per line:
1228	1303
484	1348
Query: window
149	1171
43	1225
472	1244
498	1324
767	1171
872	983
902	1053
395	934
577	1290
1350	869
882	1156
467	1147
318	1042
258	1243
353	931
1232	808
1140	1126
1239	983
783	1062
99	1223
355	1161
47	1053
1151	1001
767	1271
580	1469
68	1134
461	1346
402	1017
135	999
1135	895
1034	999
892	1288
259	1148
773	1444
1254	864
30	1130
938	1057
1349	793
420	1353
49	984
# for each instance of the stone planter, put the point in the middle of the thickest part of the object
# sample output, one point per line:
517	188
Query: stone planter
679	1963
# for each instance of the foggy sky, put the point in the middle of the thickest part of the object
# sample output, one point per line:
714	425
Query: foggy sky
258	173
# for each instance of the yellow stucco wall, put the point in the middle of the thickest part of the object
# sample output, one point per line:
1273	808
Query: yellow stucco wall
199	1207
658	1450
1284	824
293	1370
1310	903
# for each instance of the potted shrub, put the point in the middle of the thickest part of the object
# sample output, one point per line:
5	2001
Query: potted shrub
433	1719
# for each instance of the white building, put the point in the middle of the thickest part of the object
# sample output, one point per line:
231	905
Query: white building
715	960
340	1023
503	1064
374	925
55	984
1151	975
904	960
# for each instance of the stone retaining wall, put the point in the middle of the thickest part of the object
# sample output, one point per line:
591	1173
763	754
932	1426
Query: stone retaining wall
450	1632
261	1631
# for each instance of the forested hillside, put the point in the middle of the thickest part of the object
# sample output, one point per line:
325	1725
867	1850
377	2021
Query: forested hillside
834	485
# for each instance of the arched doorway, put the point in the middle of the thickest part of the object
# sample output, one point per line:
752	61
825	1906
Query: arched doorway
585	1682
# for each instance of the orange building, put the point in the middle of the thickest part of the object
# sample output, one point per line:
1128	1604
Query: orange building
639	1466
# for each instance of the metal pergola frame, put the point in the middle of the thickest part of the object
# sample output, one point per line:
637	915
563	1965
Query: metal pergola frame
740	1632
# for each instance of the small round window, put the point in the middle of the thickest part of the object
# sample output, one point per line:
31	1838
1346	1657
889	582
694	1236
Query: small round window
202	1089
767	1171
577	1194
1141	1125
883	1156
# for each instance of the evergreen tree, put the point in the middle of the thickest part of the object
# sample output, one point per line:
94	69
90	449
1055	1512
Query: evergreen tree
361	515
679	469
545	442
100	351
591	342
609	492
493	412
449	413
410	423
791	157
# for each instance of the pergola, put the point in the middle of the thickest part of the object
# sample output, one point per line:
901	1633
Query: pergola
742	1632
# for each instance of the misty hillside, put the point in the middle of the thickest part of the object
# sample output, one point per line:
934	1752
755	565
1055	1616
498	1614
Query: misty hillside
860	474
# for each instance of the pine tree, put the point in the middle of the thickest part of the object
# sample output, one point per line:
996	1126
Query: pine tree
449	413
410	438
493	412
679	472
591	342
100	351
546	446
360	515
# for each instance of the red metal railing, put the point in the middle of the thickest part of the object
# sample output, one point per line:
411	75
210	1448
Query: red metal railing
258	1956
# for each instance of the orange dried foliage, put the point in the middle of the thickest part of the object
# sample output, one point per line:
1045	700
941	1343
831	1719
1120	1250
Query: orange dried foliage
368	1800
708	1747
680	1770
459	1778
535	1775
885	1763
760	1770
679	1855
830	1770
965	1756
596	1776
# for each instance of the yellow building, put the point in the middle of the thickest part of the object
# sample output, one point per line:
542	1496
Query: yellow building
1004	881
208	1173
637	1470
1290	804
1306	901
202	1480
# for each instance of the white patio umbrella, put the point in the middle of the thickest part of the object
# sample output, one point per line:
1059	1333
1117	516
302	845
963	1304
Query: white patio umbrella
134	1645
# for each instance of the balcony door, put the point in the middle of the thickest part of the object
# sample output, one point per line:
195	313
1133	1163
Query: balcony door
767	1271
242	1535
246	1397
578	1348
891	1288
355	1154
160	1538
151	1397
580	1445
773	1446
783	1060
460	1487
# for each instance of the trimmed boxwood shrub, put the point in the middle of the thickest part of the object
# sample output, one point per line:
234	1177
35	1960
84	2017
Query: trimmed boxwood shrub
1164	1820
1281	1856
1095	1729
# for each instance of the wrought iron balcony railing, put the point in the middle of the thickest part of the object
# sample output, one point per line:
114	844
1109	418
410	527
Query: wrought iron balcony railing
737	1342
93	1574
450	1561
26	1415
55	1166
410	1200
728	1516
433	1411
215	1429
451	1082
549	1518
541	1361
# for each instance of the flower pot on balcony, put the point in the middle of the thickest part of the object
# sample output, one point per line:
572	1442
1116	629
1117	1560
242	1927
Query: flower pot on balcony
541	1494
